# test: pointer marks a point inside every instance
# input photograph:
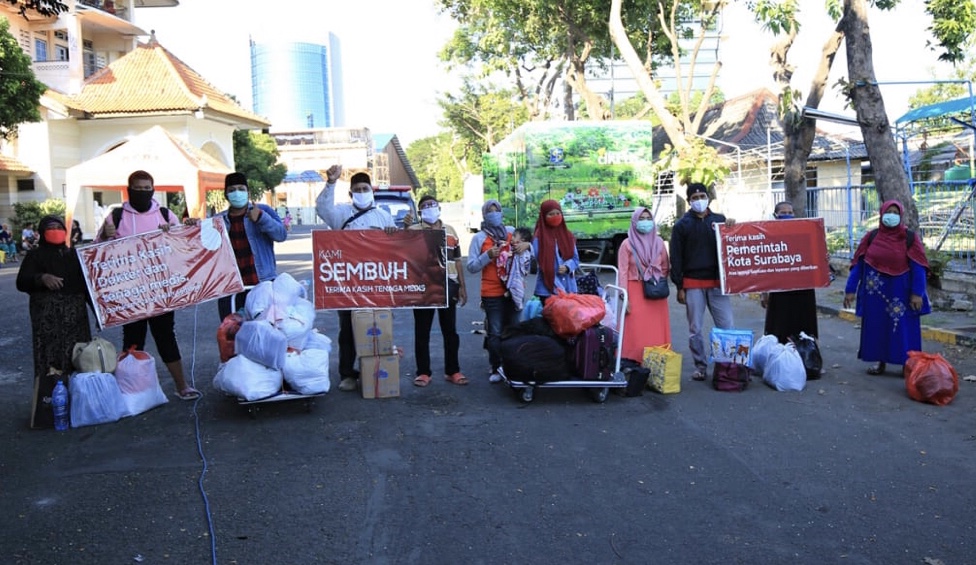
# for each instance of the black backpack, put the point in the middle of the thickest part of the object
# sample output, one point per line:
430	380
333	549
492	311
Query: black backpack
117	215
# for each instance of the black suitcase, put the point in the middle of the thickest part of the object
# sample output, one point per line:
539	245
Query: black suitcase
537	359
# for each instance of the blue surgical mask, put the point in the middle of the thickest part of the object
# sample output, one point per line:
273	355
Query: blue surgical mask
891	220
645	226
362	200
784	216
700	205
238	198
430	215
493	219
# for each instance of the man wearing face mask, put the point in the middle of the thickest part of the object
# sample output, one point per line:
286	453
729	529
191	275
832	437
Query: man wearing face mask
361	214
253	229
791	312
141	214
694	271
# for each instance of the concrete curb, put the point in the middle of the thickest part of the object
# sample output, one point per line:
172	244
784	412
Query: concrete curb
929	333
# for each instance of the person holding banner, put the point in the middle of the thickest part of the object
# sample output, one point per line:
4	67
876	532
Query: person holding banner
362	214
500	311
695	272
643	256
51	274
888	278
790	312
554	248
140	214
253	229
423	318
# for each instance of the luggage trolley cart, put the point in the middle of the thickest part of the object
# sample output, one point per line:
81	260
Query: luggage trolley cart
598	390
283	395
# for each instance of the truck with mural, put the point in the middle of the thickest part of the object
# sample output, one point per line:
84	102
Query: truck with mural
598	172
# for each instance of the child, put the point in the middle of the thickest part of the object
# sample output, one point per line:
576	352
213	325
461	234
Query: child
513	267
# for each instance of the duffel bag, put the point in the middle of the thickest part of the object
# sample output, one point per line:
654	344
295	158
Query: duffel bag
536	358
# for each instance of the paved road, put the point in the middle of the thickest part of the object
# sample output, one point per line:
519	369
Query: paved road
848	471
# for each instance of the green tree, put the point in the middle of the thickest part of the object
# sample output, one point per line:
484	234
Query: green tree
44	8
256	155
942	91
20	91
480	117
438	169
32	211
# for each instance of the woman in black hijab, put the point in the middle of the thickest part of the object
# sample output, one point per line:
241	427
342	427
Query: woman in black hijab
51	274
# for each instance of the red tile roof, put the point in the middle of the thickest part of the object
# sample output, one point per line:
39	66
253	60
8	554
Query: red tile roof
11	165
151	80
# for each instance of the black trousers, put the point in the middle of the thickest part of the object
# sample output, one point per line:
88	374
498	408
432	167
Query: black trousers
423	321
163	328
347	347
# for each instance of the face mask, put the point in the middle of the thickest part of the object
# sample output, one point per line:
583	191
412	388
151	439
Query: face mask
784	217
238	198
140	200
362	200
700	205
493	219
430	215
554	221
645	226
891	220
55	237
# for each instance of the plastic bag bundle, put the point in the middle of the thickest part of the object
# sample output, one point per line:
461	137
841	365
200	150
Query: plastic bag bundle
784	369
763	349
532	309
809	352
287	290
262	343
307	372
572	314
930	378
260	301
139	382
225	335
95	399
316	340
297	322
246	379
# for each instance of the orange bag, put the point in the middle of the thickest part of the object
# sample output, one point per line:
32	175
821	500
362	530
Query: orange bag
930	378
225	335
572	314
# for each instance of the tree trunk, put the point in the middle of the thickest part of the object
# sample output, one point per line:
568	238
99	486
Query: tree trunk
865	96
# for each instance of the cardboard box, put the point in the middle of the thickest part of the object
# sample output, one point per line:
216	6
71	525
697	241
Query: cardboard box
373	332
379	376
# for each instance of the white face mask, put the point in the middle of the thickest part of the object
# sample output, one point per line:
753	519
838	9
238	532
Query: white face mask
700	205
362	200
430	215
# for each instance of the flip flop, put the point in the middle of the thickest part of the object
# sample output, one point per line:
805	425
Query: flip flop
457	378
876	370
698	376
189	393
421	380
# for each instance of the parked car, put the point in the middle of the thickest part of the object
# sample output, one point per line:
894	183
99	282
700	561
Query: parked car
397	200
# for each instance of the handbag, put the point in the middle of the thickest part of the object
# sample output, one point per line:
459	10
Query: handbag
654	289
665	368
95	356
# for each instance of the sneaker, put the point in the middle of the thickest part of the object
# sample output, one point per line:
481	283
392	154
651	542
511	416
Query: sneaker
348	384
496	376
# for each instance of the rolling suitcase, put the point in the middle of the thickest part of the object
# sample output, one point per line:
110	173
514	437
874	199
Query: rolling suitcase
596	353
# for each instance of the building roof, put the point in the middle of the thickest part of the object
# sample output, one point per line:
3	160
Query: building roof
151	80
751	123
382	140
11	165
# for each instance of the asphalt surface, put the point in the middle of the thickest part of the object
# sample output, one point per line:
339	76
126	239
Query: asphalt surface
848	471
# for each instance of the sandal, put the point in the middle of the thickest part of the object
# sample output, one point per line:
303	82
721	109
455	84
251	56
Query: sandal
421	380
457	378
698	376
877	369
189	393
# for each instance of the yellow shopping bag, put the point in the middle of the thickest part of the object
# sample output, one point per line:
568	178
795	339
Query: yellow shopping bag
665	367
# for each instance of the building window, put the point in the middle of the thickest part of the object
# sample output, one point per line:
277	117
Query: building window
61	34
40	49
25	185
60	53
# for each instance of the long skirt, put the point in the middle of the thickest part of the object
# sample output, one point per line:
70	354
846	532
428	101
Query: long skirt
648	324
58	322
791	312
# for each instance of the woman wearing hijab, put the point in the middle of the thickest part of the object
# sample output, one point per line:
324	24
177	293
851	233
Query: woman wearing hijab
643	256
888	277
554	248
500	312
790	312
51	274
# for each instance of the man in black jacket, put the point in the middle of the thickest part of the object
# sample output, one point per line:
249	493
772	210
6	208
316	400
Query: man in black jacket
694	270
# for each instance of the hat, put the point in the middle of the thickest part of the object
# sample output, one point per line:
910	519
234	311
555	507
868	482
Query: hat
695	188
360	177
235	179
425	198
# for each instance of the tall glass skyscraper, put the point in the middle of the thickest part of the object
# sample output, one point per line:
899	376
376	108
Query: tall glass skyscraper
297	85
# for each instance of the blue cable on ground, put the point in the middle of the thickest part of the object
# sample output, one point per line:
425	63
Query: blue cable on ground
203	457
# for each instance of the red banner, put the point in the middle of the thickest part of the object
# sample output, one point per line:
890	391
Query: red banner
772	256
145	275
374	269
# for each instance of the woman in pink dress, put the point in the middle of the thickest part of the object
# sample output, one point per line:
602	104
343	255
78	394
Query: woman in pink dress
643	255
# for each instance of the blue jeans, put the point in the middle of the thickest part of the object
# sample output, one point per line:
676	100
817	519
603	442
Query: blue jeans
500	313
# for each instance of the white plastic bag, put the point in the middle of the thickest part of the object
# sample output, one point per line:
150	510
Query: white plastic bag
246	379
260	301
139	382
287	290
307	372
297	322
784	369
262	343
316	340
95	399
761	351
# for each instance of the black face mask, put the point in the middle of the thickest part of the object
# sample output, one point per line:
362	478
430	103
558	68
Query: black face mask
140	200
